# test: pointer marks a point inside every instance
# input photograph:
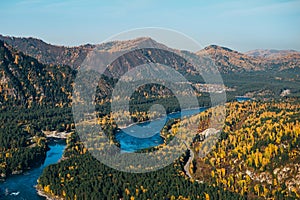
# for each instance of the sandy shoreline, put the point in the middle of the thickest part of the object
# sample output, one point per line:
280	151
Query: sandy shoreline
56	134
41	193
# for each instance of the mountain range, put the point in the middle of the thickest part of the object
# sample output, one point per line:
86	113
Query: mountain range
33	71
228	60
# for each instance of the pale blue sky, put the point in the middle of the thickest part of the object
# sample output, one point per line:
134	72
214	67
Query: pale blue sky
240	25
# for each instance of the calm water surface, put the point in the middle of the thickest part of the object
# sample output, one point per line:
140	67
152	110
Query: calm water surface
148	132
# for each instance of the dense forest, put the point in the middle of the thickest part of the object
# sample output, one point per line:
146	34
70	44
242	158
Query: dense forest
81	176
22	141
258	151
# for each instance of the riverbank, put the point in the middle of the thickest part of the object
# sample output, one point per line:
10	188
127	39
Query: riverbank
56	134
42	193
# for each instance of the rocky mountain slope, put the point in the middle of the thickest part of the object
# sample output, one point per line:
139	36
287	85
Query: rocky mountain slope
71	56
47	53
229	60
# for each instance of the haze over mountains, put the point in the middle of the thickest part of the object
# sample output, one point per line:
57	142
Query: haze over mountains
270	53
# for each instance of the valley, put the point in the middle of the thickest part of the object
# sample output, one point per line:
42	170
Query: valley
256	156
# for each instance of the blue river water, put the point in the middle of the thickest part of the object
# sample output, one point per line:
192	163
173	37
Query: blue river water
242	99
21	187
147	134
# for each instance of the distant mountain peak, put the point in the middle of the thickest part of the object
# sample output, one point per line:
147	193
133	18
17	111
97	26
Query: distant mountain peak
122	45
217	47
229	60
142	39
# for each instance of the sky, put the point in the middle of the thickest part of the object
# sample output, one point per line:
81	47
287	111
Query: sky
240	25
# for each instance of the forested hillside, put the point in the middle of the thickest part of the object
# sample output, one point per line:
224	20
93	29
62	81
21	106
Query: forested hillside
26	82
33	98
258	152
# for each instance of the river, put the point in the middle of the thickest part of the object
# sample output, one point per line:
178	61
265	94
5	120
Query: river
148	132
22	186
